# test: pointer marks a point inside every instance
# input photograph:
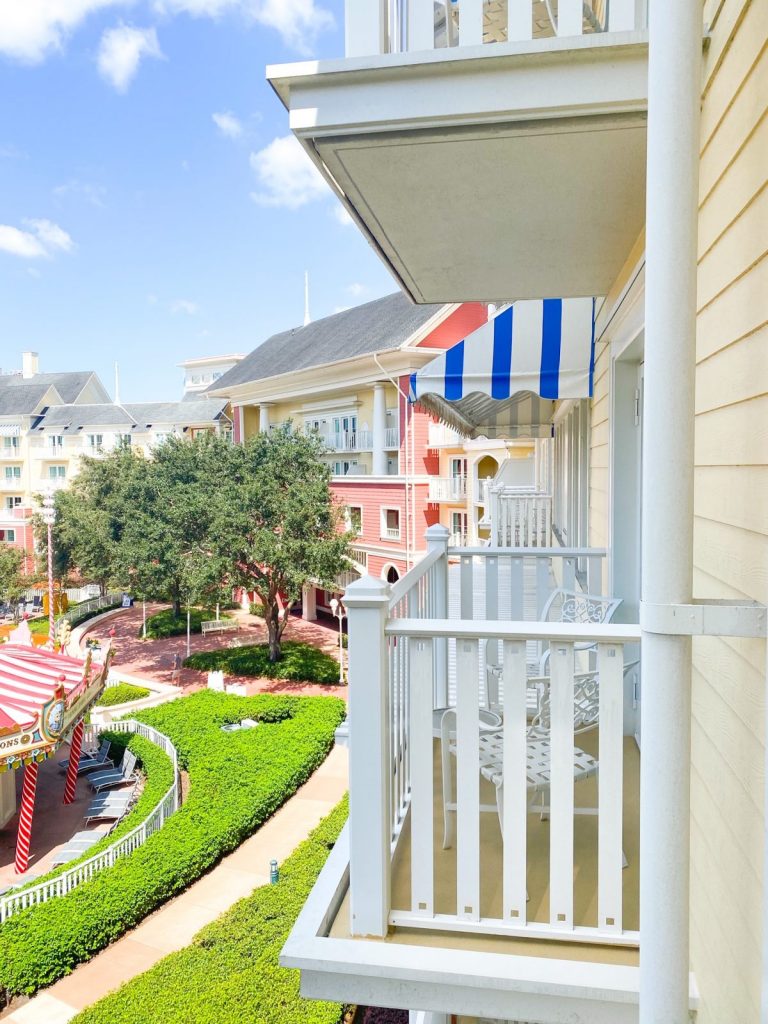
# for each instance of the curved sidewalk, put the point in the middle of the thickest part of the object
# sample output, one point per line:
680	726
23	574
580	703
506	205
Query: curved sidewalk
172	926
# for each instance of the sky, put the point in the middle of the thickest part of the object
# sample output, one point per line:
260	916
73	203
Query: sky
153	205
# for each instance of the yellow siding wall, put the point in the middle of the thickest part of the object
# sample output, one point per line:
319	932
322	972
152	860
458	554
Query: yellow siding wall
731	521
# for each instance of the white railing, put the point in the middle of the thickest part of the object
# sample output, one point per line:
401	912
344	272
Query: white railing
11	483
392	437
14	454
348	440
519	519
86	608
391	533
459	540
360	556
447	488
65	881
398	26
358	470
400	641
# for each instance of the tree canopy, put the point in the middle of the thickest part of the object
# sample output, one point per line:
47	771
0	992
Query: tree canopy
203	516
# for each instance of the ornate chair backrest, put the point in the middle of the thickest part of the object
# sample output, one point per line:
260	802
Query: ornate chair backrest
586	705
572	606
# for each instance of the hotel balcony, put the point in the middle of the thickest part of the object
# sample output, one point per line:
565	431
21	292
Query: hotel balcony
451	489
489	868
11	454
504	134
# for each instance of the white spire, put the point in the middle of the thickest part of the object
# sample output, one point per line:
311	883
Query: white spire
117	384
307	317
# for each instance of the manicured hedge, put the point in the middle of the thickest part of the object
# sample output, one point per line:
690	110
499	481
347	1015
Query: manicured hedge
299	662
230	972
236	781
123	693
163	624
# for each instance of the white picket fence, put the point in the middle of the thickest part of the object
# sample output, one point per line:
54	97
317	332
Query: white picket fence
69	879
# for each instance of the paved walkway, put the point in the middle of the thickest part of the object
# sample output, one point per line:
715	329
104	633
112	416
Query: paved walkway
153	659
173	926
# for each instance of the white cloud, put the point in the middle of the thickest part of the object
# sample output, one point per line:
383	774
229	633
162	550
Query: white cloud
121	50
357	289
299	22
286	175
94	194
43	240
30	29
228	124
341	215
185	306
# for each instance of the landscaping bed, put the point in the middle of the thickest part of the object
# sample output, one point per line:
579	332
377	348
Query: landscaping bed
236	781
300	663
123	693
163	624
230	973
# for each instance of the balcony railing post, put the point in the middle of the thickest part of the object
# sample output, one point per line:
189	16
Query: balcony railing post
437	540
365	27
370	774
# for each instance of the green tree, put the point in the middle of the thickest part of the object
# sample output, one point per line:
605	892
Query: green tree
277	526
12	580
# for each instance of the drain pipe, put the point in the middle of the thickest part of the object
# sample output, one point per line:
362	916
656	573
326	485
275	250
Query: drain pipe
674	93
404	396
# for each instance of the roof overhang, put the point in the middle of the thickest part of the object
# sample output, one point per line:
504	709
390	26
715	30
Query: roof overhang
505	171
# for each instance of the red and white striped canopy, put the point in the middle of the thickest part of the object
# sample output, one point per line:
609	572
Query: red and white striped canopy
29	678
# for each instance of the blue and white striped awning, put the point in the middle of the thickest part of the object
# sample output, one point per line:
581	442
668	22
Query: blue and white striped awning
503	379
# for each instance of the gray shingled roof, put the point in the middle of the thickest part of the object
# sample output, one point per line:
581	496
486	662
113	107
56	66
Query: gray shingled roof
134	415
21	401
373	327
69	385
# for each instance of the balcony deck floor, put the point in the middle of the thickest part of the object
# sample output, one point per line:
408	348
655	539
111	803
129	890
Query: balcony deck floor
585	876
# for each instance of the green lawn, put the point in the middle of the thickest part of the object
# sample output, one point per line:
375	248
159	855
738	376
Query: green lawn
164	624
123	693
230	974
236	781
299	662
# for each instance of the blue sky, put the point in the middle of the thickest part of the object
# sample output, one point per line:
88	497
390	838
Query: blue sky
152	207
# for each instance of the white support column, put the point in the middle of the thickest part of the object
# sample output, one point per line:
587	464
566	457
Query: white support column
309	603
370	770
674	90
240	420
379	430
264	417
365	28
437	539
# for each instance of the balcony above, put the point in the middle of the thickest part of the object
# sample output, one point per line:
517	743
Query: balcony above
478	169
451	489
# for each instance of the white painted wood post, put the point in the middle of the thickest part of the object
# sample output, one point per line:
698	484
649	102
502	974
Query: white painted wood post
370	770
622	16
519	20
421	25
471	23
365	30
379	438
437	537
569	17
674	92
264	417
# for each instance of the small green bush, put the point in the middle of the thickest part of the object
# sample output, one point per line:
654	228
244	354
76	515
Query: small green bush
163	624
299	662
256	608
230	972
123	693
236	781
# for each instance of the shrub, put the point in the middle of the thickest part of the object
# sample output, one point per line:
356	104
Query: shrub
256	608
123	693
237	780
230	972
299	662
163	624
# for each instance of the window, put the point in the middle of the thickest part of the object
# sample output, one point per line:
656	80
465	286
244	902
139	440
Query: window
12	474
96	441
57	472
9	536
390	523
458	528
13	502
354	519
344	467
122	439
56	441
10	444
571	477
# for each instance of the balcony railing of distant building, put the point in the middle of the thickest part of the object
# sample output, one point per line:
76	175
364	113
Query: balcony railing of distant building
11	454
391	533
392	437
449	488
11	483
359	556
399	26
425	645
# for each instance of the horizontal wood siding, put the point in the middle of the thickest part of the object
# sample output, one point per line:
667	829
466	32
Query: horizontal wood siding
731	516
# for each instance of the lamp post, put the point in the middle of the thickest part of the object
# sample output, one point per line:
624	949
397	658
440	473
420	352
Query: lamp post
339	613
49	518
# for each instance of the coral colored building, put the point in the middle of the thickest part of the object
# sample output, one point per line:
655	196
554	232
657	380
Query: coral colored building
346	377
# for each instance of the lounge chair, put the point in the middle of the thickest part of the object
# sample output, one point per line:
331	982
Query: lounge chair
89	761
116	777
78	845
109	806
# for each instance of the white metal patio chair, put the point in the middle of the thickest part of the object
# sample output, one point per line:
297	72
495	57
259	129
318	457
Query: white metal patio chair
538	750
125	773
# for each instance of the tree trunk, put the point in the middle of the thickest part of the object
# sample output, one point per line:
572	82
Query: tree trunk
176	607
272	619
